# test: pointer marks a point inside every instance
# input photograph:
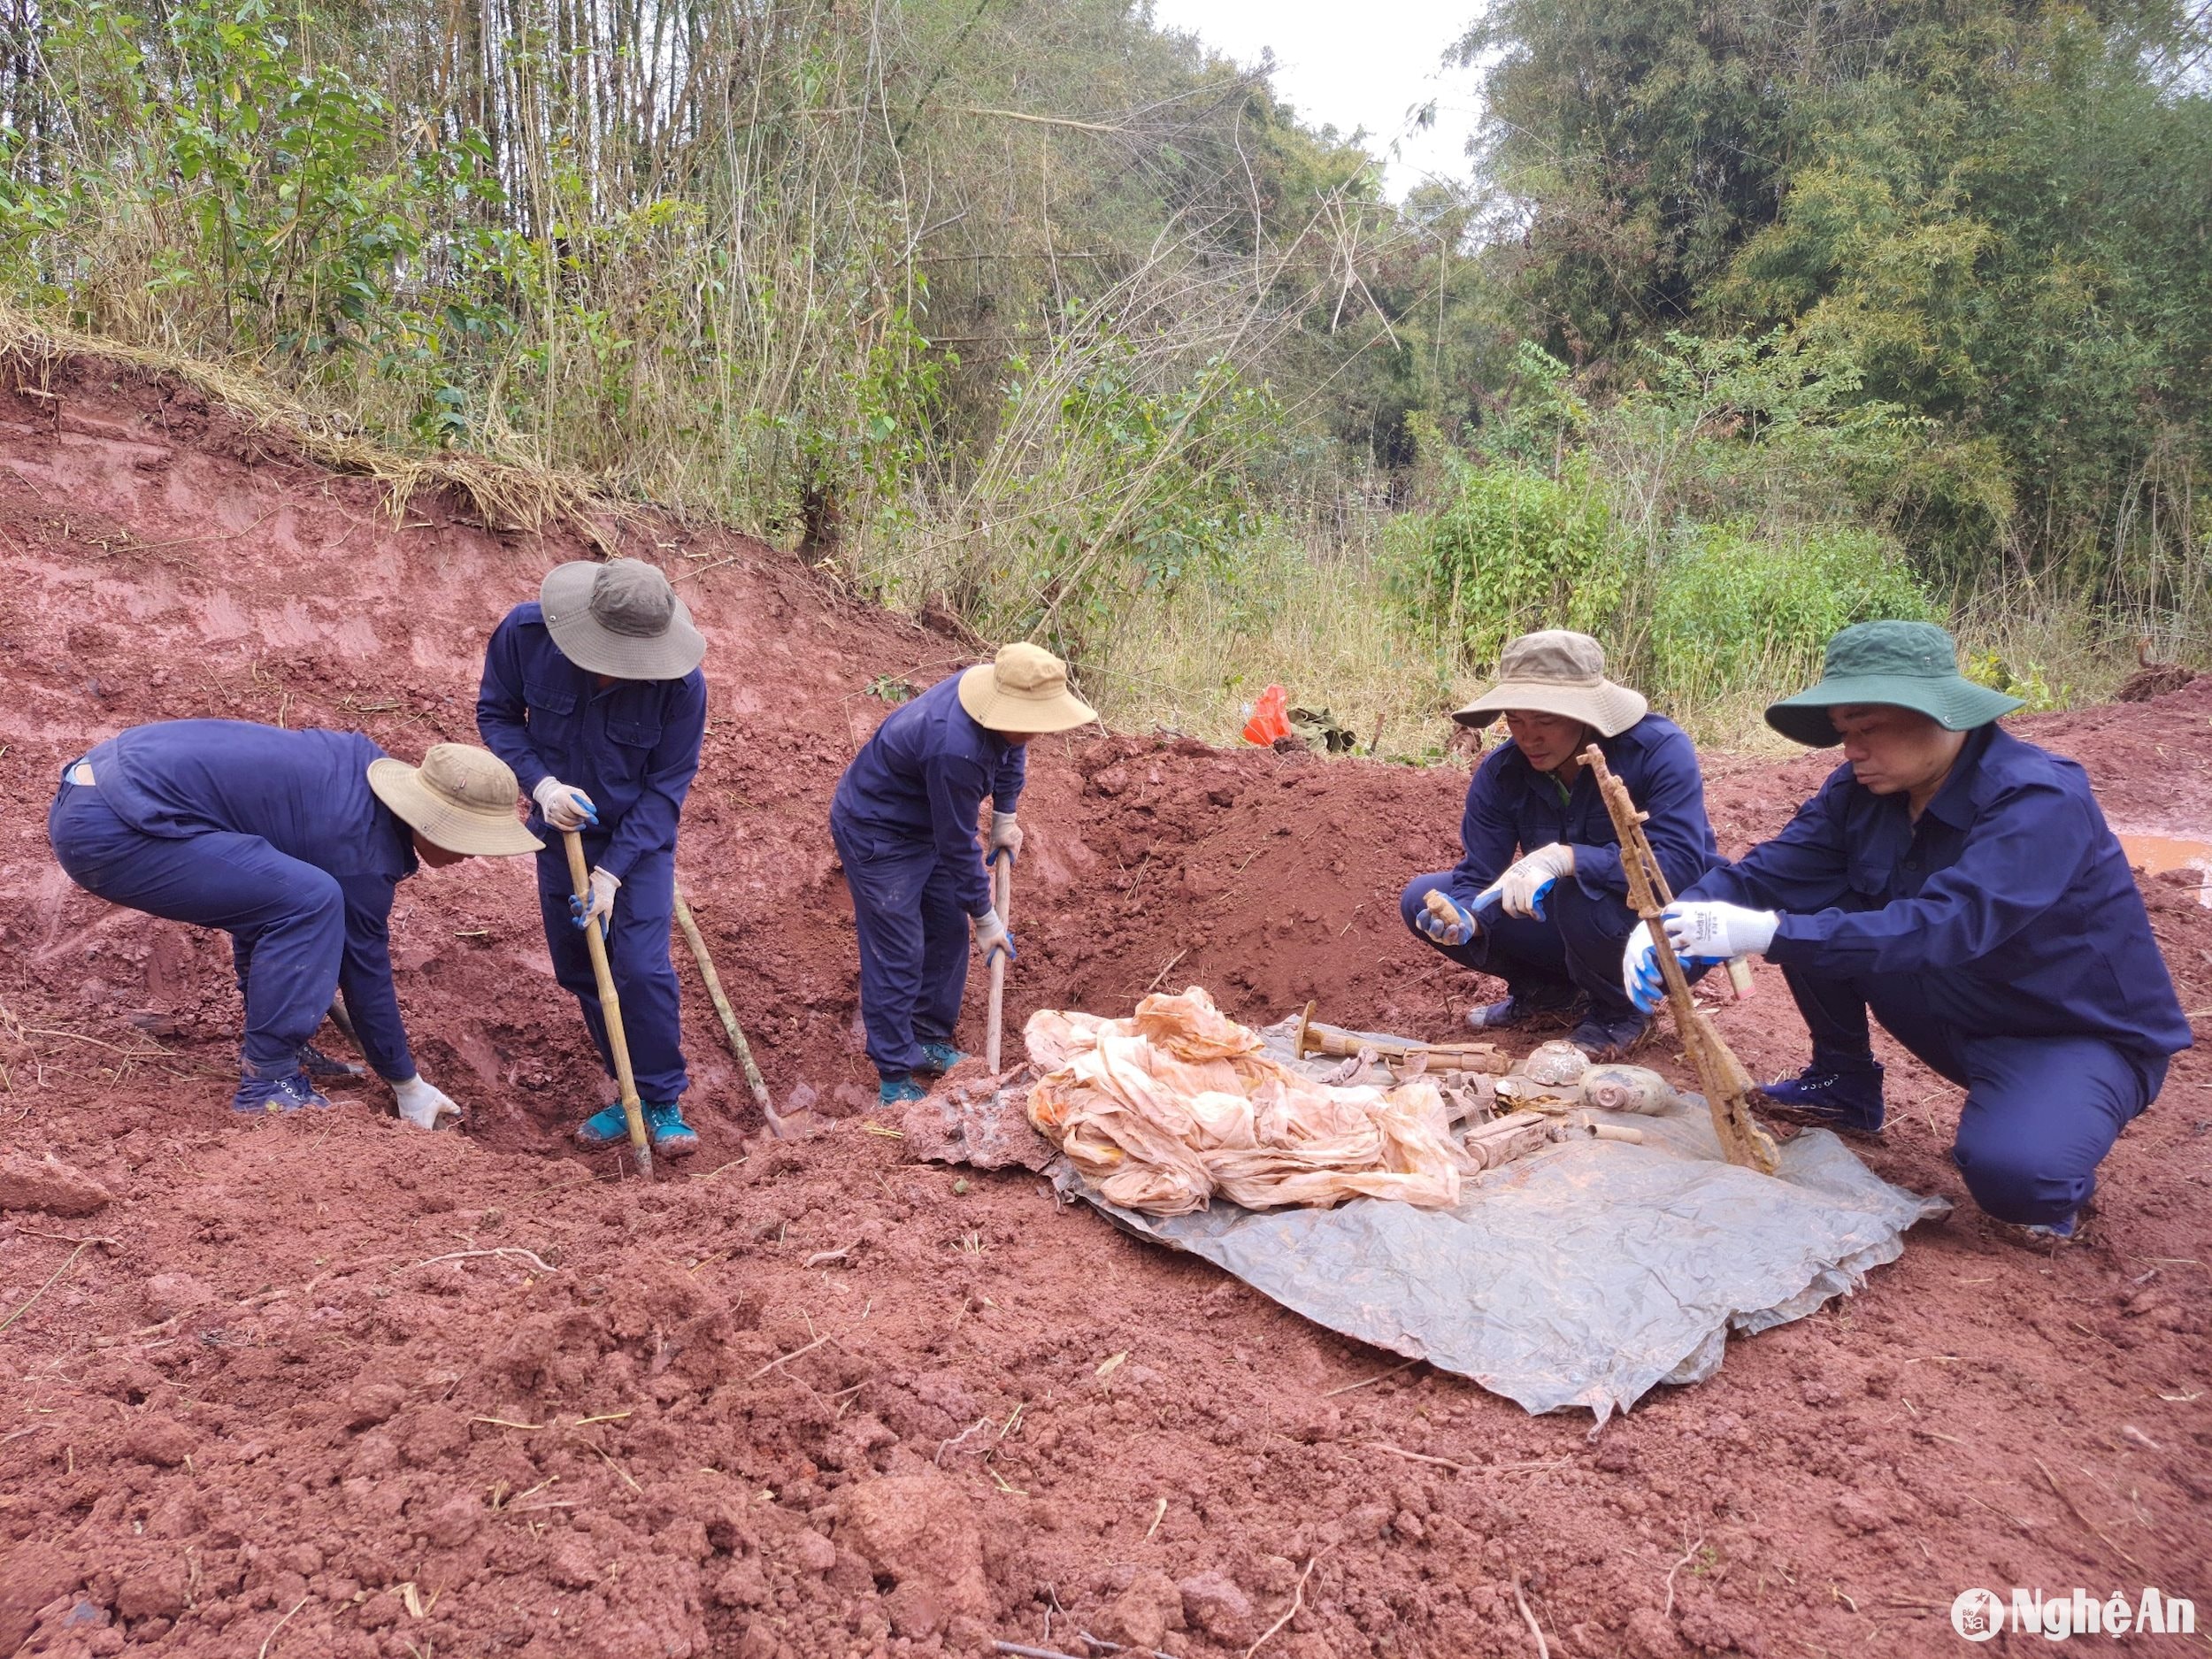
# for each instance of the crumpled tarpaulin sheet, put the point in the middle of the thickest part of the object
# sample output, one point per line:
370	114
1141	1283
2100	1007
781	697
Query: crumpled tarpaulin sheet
1165	1111
1582	1275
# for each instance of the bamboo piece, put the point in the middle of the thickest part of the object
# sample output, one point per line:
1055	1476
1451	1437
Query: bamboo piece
1002	899
1728	1086
1335	1042
730	1028
610	1009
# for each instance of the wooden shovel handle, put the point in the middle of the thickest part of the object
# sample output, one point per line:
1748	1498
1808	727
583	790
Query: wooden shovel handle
609	1009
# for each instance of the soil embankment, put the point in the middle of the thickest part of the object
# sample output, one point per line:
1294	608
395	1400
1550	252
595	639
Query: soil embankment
331	1388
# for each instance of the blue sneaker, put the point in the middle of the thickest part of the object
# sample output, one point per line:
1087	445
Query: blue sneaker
671	1135
1849	1102
1604	1039
287	1094
896	1091
940	1058
608	1126
2053	1229
1509	1012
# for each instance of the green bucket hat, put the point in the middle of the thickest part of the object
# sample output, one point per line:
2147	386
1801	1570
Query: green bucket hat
1909	664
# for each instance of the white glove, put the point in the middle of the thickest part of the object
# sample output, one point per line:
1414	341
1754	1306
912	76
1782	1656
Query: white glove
565	808
1523	885
1005	835
421	1104
600	907
991	937
1706	930
1640	978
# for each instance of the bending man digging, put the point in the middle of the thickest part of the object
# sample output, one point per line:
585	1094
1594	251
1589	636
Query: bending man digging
1963	887
593	695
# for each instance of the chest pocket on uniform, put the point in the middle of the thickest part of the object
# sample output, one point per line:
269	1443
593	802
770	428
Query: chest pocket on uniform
634	733
552	711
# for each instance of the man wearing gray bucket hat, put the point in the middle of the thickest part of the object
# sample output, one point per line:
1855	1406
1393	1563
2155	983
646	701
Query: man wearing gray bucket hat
1961	885
1538	899
593	695
292	842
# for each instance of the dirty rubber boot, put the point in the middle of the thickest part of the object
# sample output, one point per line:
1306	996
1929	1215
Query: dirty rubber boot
896	1091
1609	1039
671	1135
1848	1100
1519	1010
608	1126
287	1094
940	1058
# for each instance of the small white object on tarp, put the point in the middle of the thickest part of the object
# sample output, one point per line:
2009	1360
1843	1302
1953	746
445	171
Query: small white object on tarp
1584	1276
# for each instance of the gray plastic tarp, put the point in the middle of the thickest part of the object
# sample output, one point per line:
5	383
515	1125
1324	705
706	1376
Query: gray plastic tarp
1582	1276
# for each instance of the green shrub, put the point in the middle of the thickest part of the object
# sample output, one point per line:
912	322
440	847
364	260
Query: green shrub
1514	550
1734	612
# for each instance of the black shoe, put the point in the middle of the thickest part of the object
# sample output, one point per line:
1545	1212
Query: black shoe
1609	1038
1849	1100
1525	1008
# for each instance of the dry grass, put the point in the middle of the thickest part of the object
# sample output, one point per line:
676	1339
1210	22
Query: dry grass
505	494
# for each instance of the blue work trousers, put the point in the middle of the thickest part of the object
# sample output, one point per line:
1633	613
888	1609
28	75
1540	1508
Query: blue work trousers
913	943
2040	1112
637	956
285	920
1576	947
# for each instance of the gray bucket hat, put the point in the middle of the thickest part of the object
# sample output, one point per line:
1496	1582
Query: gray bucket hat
1907	664
1557	671
621	619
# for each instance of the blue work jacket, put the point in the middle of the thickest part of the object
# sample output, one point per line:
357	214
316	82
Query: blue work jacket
631	745
2010	895
1510	805
923	778
307	795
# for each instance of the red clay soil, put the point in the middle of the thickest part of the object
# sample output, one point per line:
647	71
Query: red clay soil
329	1386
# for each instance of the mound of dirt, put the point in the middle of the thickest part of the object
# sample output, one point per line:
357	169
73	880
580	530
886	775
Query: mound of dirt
334	1387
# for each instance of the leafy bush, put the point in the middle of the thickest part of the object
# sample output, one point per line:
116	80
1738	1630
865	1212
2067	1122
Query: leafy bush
1514	550
1733	611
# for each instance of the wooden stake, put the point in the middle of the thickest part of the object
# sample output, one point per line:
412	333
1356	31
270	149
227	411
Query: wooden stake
730	1028
610	1009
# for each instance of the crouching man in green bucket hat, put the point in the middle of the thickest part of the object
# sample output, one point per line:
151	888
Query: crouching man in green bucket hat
1962	885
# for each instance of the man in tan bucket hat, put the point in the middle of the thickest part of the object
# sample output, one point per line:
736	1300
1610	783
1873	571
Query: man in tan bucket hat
1538	898
905	819
292	842
593	695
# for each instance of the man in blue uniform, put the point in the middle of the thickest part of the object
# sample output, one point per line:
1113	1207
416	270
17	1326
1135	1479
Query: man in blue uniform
1555	941
1963	887
594	696
292	842
905	820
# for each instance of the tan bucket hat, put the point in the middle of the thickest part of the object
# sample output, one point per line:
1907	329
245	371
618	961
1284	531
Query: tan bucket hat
621	619
1555	671
1025	690
461	797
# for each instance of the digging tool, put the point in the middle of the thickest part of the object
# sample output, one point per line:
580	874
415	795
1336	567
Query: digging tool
1003	898
1728	1086
730	1028
609	1009
1334	1041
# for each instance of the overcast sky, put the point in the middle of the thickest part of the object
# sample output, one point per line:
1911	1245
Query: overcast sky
1358	65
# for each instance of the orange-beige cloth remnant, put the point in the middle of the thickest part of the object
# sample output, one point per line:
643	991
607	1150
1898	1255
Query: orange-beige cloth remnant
1162	1111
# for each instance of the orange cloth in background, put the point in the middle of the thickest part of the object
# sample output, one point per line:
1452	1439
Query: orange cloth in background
1163	1111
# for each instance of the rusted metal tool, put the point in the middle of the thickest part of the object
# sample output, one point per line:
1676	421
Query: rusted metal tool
731	1029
